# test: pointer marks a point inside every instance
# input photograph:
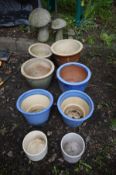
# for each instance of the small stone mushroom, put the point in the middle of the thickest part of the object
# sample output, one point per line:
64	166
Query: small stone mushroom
40	18
58	25
71	33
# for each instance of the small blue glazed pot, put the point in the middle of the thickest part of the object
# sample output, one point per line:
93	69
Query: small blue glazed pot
66	85
77	99
35	106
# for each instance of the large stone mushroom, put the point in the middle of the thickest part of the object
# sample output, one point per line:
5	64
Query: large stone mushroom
40	18
58	25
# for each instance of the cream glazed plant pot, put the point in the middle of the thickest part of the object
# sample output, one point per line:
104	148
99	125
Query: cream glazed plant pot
40	50
38	72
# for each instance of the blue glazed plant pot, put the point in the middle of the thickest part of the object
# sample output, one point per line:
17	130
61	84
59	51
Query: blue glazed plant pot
75	107
35	106
73	76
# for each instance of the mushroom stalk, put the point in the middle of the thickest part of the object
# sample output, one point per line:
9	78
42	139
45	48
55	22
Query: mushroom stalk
43	34
59	34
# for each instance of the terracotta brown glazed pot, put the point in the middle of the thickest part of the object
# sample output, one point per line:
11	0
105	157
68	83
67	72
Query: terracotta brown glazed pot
66	50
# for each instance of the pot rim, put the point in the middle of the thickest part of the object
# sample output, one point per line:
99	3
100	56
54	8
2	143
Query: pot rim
26	94
41	77
76	52
75	64
64	152
41	44
44	148
78	92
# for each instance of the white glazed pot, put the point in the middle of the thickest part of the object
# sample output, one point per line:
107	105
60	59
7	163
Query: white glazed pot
72	147
35	145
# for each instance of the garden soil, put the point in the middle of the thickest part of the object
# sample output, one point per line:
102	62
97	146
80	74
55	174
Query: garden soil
100	155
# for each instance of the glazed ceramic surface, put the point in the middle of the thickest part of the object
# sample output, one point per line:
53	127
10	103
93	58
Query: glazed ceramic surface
73	76
35	103
38	72
73	147
35	106
75	107
73	73
66	50
35	145
40	50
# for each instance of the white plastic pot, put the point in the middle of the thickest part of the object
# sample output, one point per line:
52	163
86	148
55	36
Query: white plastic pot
72	147
35	145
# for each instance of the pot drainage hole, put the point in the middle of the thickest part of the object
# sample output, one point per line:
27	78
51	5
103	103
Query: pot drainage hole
74	112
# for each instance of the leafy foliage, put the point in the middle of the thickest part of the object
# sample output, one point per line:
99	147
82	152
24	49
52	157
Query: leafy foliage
98	8
107	38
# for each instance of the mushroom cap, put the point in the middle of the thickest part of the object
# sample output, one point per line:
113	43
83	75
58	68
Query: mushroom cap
58	23
39	17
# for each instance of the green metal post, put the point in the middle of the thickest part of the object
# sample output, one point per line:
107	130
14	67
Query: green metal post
51	5
78	12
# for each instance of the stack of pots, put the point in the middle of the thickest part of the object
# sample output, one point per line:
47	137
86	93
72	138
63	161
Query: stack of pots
74	105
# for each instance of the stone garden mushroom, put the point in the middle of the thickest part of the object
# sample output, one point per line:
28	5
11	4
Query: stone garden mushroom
58	25
40	18
71	33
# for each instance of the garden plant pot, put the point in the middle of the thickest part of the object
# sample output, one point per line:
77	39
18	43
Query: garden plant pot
75	107
38	72
35	106
40	50
72	147
35	145
73	76
66	50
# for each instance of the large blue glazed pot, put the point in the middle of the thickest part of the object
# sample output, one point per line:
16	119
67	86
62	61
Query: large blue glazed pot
75	103
35	106
82	71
